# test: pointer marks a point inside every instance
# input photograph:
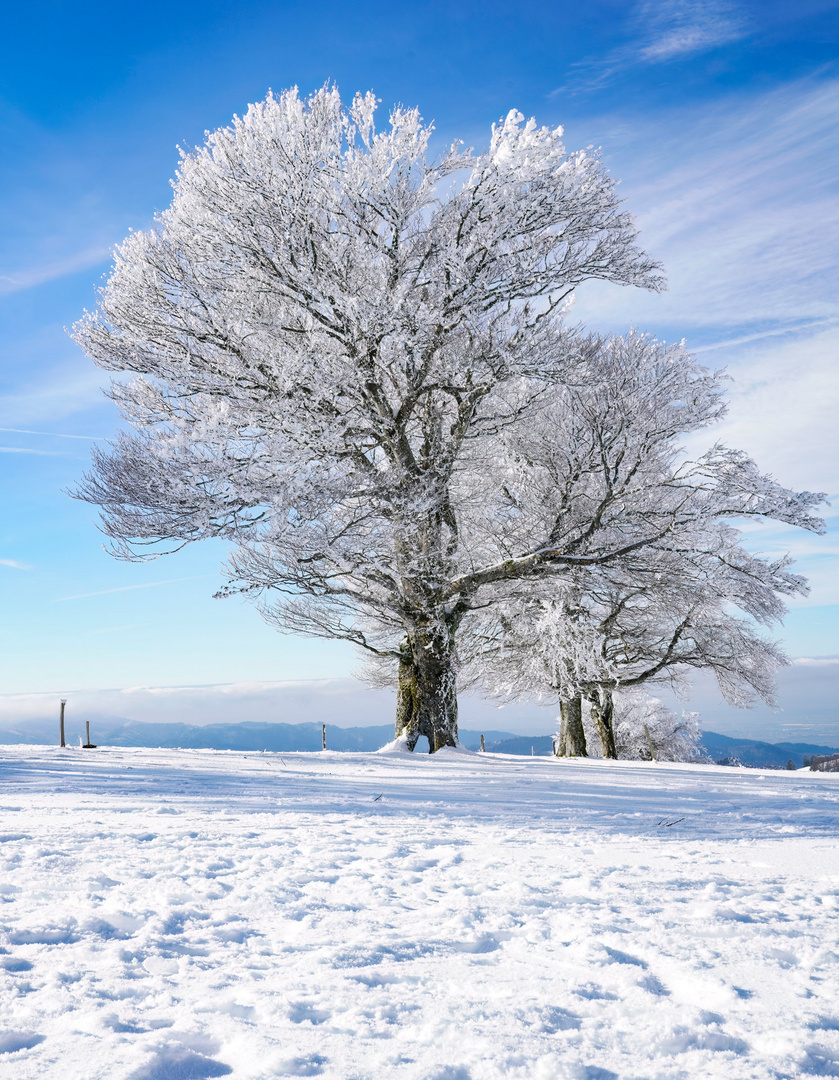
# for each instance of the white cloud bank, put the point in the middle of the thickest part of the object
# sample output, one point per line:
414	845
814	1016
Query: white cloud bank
808	692
343	702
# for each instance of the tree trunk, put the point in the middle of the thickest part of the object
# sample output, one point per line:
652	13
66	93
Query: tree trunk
602	713
426	702
572	737
406	696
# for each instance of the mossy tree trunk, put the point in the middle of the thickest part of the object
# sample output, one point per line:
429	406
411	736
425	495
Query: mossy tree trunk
602	713
572	737
426	701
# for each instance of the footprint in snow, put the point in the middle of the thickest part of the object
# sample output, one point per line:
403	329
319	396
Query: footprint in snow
683	1039
45	936
592	992
176	1063
653	986
824	1023
618	957
12	1041
820	1061
299	1012
551	1019
303	1066
13	964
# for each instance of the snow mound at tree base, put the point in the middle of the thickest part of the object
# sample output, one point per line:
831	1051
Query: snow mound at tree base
400	746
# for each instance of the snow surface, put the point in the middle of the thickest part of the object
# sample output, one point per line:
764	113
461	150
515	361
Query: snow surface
176	915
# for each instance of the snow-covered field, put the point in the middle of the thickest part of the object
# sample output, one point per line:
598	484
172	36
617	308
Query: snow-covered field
176	915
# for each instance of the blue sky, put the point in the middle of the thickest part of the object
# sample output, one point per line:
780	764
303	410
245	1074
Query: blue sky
719	117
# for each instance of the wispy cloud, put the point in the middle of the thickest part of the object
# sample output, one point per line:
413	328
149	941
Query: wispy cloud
51	434
671	29
65	389
131	588
662	31
27	450
738	200
739	203
14	564
762	335
29	277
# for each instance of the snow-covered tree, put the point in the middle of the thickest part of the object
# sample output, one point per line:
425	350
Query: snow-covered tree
646	728
693	598
342	350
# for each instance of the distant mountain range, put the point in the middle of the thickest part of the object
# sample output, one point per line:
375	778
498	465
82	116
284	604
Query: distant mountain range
283	738
286	738
760	755
720	748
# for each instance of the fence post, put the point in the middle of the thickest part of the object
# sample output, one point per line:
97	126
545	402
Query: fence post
61	722
483	748
323	737
649	743
88	745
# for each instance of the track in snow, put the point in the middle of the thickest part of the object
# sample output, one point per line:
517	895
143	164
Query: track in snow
176	915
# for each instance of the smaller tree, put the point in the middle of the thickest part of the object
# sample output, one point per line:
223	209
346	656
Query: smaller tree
692	597
646	729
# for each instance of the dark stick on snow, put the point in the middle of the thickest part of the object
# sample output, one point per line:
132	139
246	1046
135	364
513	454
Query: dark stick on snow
61	723
378	797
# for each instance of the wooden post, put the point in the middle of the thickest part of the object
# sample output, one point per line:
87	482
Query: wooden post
649	743
323	737
532	752
88	745
61	722
483	748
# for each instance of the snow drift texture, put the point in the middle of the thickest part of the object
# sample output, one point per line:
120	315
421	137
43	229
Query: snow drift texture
171	915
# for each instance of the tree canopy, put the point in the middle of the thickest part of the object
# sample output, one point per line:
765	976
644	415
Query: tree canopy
352	361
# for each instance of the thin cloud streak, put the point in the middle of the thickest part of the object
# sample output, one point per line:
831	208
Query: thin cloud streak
740	206
678	28
52	434
61	392
27	450
664	31
131	588
14	564
40	275
747	339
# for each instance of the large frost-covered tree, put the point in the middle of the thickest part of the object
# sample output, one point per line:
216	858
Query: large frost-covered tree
333	337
